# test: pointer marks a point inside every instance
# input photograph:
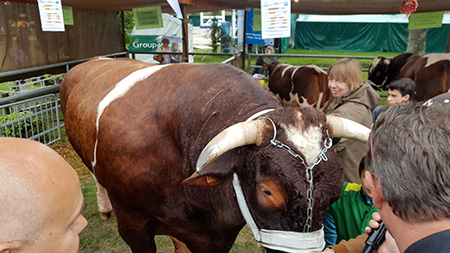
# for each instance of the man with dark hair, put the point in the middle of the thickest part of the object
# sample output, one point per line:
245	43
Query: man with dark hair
398	91
408	172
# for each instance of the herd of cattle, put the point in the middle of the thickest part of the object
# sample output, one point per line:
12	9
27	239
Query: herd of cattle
308	85
171	145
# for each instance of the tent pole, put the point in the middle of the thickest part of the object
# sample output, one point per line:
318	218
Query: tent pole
185	34
244	43
448	42
124	47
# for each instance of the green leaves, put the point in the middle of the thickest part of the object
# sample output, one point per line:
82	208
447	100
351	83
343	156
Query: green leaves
21	126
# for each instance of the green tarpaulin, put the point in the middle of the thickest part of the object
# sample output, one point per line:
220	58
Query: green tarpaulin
367	37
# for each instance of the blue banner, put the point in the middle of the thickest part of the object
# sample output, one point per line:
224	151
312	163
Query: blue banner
254	37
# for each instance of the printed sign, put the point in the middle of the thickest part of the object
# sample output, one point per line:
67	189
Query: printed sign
51	15
252	36
275	18
425	20
148	17
68	15
143	43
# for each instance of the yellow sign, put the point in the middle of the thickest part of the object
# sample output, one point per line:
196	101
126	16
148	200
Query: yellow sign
67	15
425	20
148	17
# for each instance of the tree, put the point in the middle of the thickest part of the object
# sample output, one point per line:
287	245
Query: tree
129	24
218	36
417	41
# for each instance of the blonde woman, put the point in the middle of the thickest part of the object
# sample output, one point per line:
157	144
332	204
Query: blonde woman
353	100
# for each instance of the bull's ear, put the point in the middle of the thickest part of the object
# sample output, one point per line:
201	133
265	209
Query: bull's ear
201	180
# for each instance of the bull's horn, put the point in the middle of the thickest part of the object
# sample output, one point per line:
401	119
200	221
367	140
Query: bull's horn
345	128
237	135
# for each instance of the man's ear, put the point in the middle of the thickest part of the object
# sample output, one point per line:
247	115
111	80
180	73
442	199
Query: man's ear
406	97
375	188
7	247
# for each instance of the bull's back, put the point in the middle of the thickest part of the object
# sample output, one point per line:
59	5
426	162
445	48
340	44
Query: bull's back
82	89
300	86
142	106
430	73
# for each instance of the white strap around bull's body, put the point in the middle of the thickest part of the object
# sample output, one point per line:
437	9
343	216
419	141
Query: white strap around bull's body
288	241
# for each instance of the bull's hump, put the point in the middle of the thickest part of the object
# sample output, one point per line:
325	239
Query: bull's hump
433	58
101	58
317	69
119	90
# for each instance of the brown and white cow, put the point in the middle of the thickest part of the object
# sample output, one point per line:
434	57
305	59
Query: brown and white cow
430	72
144	129
299	86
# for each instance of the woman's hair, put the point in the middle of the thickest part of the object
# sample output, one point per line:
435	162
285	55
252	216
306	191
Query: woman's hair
270	48
348	71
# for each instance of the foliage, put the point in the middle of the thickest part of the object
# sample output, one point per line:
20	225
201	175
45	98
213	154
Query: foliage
218	35
129	24
22	127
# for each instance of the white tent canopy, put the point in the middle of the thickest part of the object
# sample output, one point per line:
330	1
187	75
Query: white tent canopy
172	26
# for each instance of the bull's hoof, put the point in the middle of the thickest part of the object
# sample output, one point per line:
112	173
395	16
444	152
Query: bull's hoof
107	215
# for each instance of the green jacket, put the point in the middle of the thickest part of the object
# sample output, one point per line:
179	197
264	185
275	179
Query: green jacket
351	212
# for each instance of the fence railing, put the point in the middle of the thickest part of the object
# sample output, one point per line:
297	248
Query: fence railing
19	86
251	67
35	118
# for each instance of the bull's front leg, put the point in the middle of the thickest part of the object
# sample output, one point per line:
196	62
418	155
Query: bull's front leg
104	204
136	230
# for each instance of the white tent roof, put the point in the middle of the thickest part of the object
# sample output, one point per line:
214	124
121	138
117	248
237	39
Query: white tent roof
172	26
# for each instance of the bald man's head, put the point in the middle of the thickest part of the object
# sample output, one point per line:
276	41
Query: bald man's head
40	194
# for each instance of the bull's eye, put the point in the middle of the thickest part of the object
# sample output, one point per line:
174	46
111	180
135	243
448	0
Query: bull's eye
271	195
267	192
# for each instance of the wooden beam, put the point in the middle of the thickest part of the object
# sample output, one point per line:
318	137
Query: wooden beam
124	35
448	42
185	31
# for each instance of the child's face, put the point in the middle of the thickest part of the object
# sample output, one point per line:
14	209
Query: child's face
175	47
395	97
364	186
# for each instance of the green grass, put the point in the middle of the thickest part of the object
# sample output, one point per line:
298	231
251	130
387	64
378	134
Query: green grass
327	62
102	236
4	86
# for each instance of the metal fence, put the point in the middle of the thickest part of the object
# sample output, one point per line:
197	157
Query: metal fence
35	118
18	86
251	67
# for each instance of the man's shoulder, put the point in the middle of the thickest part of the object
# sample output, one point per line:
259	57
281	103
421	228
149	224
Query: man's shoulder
437	242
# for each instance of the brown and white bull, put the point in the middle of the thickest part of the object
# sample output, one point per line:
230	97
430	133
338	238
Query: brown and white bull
196	151
430	72
299	86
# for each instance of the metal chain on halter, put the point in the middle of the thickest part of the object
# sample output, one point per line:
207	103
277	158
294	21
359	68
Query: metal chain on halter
327	143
